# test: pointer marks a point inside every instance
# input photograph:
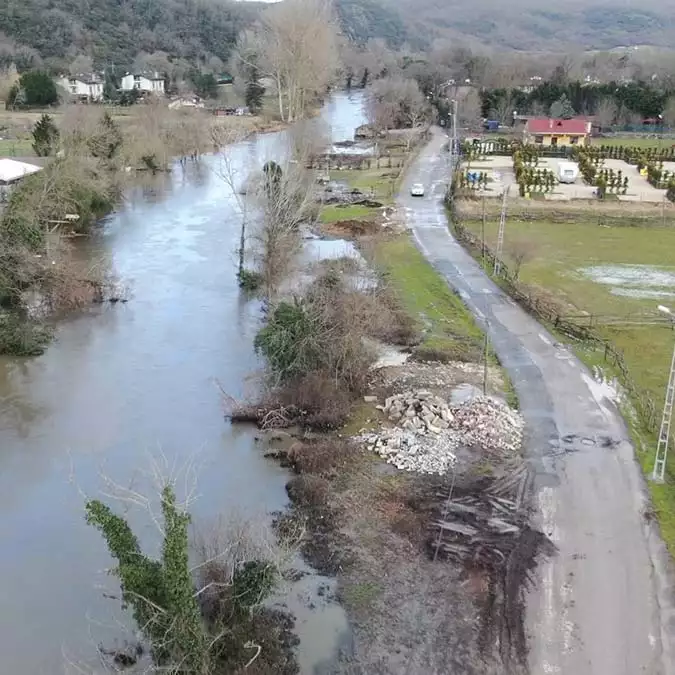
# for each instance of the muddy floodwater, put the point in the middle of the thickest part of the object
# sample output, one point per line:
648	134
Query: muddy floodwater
127	383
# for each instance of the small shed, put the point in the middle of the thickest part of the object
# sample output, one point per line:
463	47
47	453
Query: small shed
12	171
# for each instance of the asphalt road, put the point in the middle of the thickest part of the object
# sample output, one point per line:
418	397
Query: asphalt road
604	604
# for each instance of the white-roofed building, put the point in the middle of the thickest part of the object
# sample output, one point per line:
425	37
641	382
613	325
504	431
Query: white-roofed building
11	172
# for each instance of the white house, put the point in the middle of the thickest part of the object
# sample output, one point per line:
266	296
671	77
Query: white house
151	83
83	86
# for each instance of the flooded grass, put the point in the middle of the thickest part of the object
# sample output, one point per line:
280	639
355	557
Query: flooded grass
613	271
448	328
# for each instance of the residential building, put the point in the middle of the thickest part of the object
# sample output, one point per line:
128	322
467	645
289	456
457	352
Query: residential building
12	172
87	87
149	83
548	131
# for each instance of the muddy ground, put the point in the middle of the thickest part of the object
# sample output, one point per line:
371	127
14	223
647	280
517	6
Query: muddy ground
369	524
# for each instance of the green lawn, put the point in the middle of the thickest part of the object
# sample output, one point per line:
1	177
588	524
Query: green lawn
558	255
448	325
16	148
336	213
381	182
635	141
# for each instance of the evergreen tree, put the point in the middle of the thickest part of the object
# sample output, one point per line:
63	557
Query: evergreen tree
39	88
254	90
111	92
45	136
107	139
205	84
364	79
562	108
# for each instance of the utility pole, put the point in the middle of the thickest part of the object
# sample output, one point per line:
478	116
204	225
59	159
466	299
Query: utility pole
659	471
486	352
452	148
454	128
482	233
500	235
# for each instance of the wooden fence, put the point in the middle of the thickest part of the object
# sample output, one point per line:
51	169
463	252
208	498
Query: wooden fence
572	326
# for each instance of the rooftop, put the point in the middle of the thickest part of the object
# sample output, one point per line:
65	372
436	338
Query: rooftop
548	125
11	170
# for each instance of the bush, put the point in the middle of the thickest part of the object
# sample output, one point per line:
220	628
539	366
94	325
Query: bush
249	280
320	333
670	192
21	337
34	88
45	136
321	403
322	458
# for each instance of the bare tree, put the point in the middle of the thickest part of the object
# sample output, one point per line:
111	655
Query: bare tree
521	251
8	78
81	65
395	103
669	112
273	202
505	108
469	111
296	42
285	195
233	175
606	112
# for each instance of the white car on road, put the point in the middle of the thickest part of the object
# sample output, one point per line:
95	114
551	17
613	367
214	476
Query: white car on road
417	190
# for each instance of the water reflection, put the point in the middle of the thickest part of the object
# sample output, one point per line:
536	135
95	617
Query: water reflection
123	381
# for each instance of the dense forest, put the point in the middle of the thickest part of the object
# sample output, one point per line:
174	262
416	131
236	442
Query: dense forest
531	25
638	99
115	31
362	20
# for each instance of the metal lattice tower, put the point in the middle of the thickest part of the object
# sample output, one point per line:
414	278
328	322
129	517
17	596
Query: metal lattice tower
664	433
500	236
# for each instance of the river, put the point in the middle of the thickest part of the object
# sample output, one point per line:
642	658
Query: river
126	383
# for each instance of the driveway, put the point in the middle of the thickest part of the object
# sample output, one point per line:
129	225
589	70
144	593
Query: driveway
603	605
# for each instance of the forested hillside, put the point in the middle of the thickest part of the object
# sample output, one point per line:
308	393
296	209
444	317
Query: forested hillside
362	20
115	31
531	25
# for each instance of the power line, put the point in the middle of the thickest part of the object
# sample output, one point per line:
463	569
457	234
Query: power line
500	235
659	471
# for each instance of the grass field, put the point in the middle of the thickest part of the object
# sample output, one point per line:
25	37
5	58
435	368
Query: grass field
448	326
16	148
628	262
380	182
635	141
336	213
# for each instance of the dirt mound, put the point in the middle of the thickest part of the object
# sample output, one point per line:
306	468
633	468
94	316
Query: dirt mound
351	228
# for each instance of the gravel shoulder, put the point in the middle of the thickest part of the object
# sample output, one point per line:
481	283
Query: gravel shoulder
603	604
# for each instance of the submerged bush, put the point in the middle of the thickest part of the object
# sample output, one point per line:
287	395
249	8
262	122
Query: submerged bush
249	280
22	337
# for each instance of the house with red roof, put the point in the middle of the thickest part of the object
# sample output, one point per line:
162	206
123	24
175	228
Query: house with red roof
548	131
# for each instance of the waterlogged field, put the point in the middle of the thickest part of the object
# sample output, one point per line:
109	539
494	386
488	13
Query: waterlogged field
610	273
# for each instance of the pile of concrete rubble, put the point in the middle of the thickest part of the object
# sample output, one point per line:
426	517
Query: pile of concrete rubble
428	430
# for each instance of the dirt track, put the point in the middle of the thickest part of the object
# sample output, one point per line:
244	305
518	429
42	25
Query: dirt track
604	603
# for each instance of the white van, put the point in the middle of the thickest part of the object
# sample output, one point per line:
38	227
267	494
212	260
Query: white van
567	172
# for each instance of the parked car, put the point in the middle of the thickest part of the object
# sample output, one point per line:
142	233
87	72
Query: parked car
417	190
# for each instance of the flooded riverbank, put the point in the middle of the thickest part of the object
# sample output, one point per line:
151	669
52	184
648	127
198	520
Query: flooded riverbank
127	382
